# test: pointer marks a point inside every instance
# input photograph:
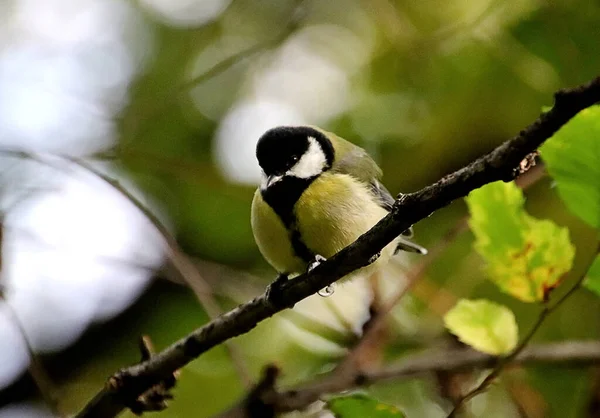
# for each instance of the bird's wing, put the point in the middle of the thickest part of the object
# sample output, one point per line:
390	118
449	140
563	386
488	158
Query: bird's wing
382	194
355	161
386	201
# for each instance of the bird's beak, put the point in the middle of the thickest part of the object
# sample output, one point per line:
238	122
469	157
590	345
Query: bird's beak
271	180
268	181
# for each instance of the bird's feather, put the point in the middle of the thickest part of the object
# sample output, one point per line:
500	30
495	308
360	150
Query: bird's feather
355	161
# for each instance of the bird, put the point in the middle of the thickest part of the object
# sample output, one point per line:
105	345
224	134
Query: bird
318	194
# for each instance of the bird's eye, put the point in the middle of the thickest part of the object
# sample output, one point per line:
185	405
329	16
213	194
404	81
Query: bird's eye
295	158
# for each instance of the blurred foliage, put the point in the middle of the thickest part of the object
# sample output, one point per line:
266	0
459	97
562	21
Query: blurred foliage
484	325
573	159
525	257
431	85
592	279
360	405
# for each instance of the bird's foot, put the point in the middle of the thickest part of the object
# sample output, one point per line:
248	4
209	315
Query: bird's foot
315	262
374	257
275	290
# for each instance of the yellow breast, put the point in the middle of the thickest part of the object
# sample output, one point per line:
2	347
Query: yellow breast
331	214
273	238
334	211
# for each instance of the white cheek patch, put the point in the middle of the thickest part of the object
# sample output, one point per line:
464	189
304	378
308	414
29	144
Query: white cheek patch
312	162
263	181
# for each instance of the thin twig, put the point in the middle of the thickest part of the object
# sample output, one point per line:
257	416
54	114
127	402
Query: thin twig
176	91
412	277
36	369
566	353
498	165
504	361
184	266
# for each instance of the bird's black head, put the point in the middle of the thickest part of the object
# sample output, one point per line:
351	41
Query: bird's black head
296	151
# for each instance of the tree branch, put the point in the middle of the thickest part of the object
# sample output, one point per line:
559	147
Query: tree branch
500	164
376	323
569	353
359	353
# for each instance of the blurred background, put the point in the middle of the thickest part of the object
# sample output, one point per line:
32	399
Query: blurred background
170	96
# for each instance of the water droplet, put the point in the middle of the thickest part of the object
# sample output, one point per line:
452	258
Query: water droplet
327	291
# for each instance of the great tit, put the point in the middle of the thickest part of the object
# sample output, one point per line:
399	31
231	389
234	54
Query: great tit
318	194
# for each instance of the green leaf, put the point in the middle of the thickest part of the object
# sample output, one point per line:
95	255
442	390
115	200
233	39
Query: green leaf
360	406
486	326
526	257
572	157
592	278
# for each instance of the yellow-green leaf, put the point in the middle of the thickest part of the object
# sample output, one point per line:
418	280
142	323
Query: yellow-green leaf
572	157
361	406
486	326
592	278
526	257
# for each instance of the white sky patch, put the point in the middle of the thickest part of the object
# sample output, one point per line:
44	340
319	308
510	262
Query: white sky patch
38	103
12	347
236	138
185	13
312	84
75	251
64	68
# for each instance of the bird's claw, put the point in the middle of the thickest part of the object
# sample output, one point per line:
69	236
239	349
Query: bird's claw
374	258
315	262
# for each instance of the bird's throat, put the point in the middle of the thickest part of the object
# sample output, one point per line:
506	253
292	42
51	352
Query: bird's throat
282	196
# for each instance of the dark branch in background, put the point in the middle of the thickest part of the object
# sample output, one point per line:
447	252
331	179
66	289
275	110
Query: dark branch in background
377	320
180	262
500	164
568	354
36	369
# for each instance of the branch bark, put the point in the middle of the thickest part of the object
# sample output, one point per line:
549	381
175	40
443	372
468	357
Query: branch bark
500	164
568	353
